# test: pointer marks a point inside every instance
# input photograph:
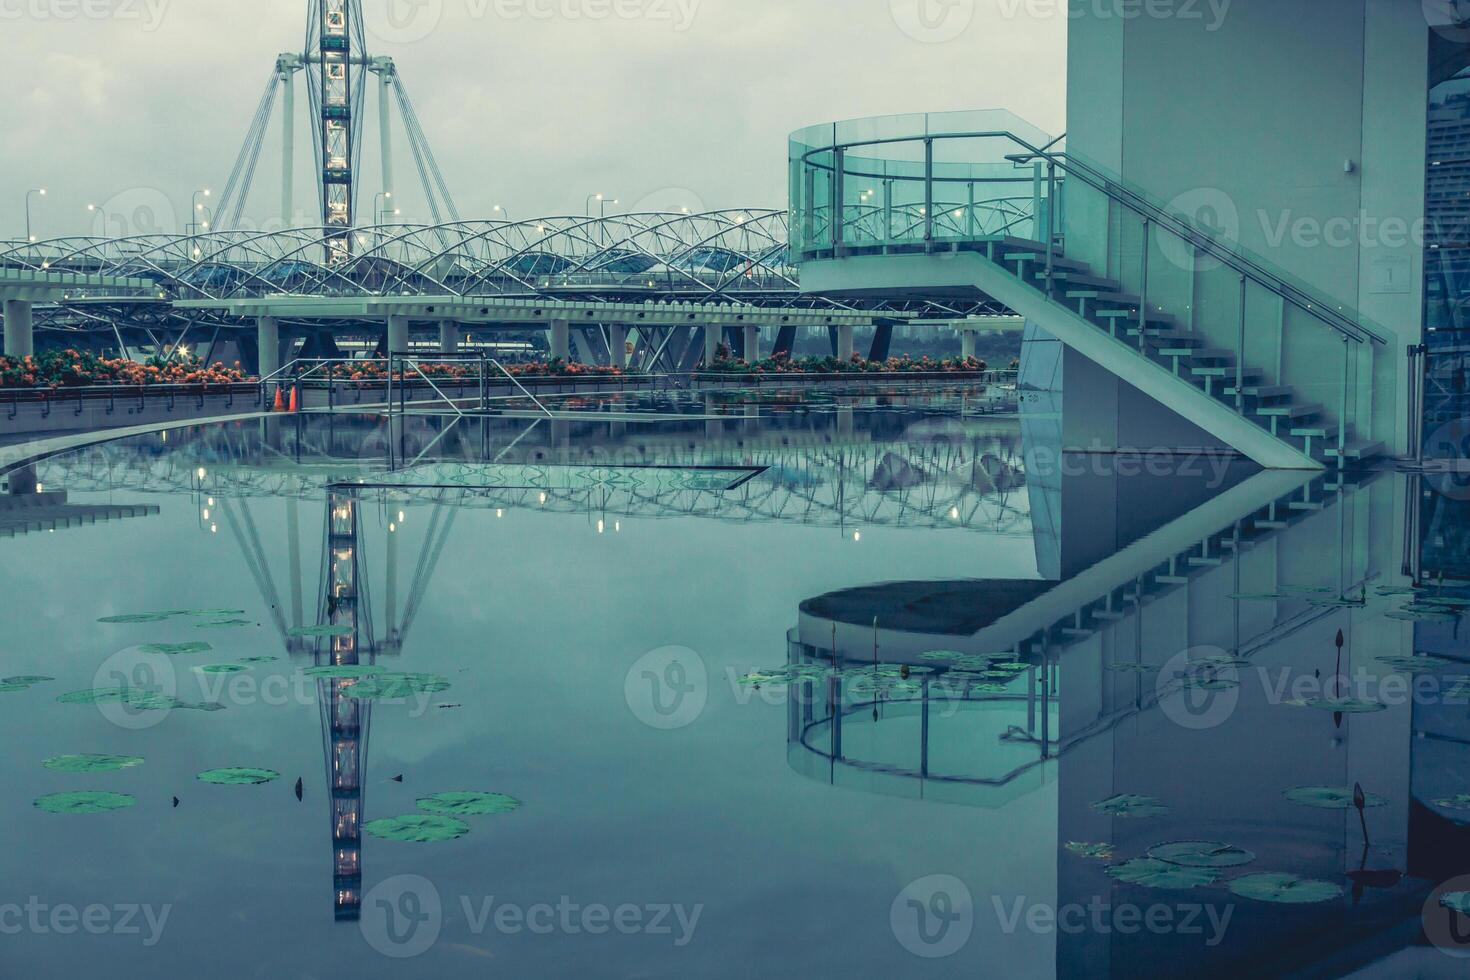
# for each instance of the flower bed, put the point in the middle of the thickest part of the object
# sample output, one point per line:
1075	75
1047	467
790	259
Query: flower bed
76	369
378	371
856	365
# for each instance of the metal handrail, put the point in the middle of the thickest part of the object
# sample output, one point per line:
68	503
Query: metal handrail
1114	189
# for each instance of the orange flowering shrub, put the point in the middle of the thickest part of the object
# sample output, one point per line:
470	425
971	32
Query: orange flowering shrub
75	369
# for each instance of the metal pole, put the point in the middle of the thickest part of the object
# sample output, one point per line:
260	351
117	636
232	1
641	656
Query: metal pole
385	128
928	189
1240	353
1051	227
1143	295
1342	418
839	200
288	148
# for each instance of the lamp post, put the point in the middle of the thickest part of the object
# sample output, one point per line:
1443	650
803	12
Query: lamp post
500	210
381	212
35	192
196	209
588	208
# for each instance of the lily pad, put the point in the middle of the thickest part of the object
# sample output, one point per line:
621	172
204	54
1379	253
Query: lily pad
321	631
1161	874
396	687
1460	802
92	763
222	669
224	624
343	670
468	803
86	802
1284	888
137	698
176	649
1346	706
1456	902
239	777
418	828
1330	797
27	679
259	660
1201	854
757	678
1128	805
1132	668
941	655
1415	663
211	613
1411	616
13	687
1096	852
136	618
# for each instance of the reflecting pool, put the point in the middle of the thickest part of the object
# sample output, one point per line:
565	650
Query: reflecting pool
827	684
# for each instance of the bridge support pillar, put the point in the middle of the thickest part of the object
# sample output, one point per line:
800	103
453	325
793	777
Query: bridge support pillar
398	335
712	337
844	342
448	337
560	339
268	345
617	344
967	342
19	333
752	343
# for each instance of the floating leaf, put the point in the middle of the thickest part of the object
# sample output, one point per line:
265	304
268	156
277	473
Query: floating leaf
92	763
211	613
396	687
1128	805
1346	706
176	649
12	687
222	669
1284	888
133	697
1213	683
327	631
343	670
27	679
1456	902
1415	663
238	777
1330	797
1161	874
87	802
1414	616
1201	854
224	624
758	677
468	803
1096	852
1132	668
1262	596
418	828
942	655
136	618
259	660
1460	802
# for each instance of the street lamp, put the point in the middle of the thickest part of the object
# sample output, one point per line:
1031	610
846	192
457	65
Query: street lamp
500	210
39	191
588	209
606	203
196	209
380	212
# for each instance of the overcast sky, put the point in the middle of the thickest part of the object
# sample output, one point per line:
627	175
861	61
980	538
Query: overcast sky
532	104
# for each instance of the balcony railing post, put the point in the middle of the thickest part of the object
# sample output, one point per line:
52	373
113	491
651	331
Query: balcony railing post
1342	418
809	210
1143	294
839	200
1240	354
928	189
1051	227
970	212
887	210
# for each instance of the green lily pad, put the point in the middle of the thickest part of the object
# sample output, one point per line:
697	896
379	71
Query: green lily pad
321	631
1128	805
11	687
418	828
133	697
757	678
1284	888
136	618
1456	902
211	613
222	669
1213	683
1411	616
1132	668
224	624
1460	802
941	655
259	660
92	763
1415	663
239	777
344	670
396	686
1261	596
1330	797
86	802
1096	852
1201	854
1346	706
1160	874
176	649
27	679
988	688
468	803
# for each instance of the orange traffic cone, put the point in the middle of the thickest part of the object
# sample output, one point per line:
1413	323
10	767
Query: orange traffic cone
280	404
293	399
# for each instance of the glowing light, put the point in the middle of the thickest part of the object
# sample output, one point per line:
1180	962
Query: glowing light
206	513
200	473
214	529
600	526
39	488
400	517
211	501
543	498
392	528
857	535
954	513
499	513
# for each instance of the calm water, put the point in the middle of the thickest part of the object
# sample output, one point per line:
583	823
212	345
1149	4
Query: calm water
988	683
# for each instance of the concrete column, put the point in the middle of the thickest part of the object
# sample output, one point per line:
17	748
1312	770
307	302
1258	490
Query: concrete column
19	335
448	337
967	342
617	340
752	343
712	336
561	339
398	335
268	344
844	342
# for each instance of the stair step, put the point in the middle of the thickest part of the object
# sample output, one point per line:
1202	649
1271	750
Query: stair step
1059	264
1262	391
1021	244
1113	301
1207	562
1291	411
1307	505
1358	450
1321	430
1273	525
1082	279
1213	354
1173	579
1224	370
1073	633
1170	338
1108	615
